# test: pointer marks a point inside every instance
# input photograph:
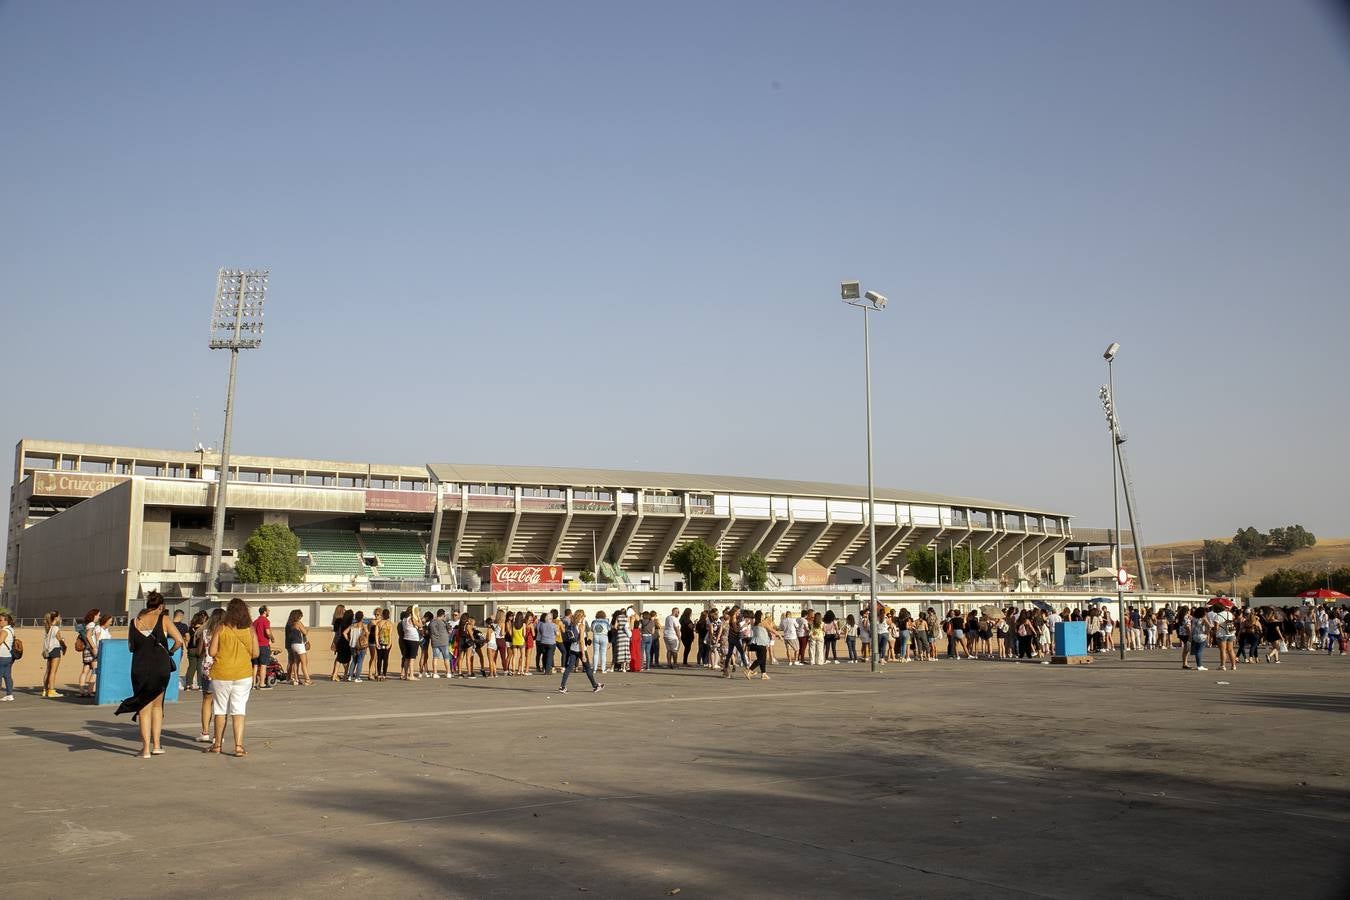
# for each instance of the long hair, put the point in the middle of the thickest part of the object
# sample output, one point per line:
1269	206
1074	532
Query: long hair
213	621
236	614
295	616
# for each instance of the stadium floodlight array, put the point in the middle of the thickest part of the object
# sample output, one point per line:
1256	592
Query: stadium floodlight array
237	317
236	324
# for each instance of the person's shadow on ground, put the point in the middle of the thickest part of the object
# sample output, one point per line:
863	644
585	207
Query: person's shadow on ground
73	740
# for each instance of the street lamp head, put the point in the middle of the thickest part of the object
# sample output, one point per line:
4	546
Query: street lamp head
1111	351
848	290
878	300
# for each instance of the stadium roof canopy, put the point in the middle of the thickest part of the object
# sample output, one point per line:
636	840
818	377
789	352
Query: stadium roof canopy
468	473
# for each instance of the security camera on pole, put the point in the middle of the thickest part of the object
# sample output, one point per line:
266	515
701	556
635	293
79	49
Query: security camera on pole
848	292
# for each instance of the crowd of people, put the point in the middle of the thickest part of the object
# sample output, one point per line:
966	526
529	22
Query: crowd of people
228	653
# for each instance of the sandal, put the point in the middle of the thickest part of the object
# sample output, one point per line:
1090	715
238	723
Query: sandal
214	748
239	750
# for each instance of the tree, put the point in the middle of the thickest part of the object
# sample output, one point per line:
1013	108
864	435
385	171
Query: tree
698	561
1223	560
1294	537
586	576
754	571
922	564
960	559
1251	541
489	553
1292	582
271	556
1284	583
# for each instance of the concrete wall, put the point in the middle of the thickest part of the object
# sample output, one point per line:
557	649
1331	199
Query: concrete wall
75	561
155	540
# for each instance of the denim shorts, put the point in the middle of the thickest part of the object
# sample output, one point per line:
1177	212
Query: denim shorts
440	653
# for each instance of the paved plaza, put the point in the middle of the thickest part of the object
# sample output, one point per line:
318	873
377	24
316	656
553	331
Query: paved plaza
945	779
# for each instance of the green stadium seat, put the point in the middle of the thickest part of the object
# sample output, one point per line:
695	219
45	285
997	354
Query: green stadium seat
401	554
332	552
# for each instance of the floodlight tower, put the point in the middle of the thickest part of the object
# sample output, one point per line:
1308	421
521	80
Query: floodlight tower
848	292
236	324
1108	398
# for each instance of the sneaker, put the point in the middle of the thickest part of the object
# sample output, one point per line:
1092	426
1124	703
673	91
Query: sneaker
53	694
597	689
562	690
1201	669
7	698
203	738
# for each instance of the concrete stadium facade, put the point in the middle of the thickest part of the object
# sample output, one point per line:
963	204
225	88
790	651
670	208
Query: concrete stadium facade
100	525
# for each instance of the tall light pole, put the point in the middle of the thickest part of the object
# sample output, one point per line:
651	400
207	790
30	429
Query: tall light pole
1108	396
236	324
848	292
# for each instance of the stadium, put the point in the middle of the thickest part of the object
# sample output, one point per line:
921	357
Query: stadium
97	525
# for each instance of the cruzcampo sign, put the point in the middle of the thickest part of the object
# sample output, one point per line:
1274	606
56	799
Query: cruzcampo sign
74	484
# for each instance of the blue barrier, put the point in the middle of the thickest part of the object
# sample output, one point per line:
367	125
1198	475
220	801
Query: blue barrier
1071	639
113	684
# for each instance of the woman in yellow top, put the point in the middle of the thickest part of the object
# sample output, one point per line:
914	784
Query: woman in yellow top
517	652
234	646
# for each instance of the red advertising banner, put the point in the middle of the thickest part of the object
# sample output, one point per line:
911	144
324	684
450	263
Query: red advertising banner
400	501
517	577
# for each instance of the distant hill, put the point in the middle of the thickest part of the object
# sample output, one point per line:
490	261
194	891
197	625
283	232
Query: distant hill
1329	553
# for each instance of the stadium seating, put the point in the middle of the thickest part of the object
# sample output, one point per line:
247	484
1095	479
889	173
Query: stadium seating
332	552
401	554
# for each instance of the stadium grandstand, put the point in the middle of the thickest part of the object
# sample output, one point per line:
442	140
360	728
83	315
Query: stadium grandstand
96	525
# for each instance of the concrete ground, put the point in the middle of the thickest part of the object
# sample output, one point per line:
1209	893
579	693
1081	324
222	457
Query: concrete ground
947	779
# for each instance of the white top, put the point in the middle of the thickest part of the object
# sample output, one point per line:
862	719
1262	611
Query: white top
6	642
789	628
51	640
672	628
410	632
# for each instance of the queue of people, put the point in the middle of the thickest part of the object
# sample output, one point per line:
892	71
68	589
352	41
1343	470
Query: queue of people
226	651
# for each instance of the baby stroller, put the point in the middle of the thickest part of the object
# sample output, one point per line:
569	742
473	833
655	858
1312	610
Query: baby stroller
274	674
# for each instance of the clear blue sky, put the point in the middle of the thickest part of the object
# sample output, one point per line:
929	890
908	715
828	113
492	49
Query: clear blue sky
611	234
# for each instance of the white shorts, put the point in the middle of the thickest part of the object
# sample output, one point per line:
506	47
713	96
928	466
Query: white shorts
230	698
298	649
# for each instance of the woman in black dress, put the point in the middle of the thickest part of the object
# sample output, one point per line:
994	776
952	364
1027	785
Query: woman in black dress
152	666
687	633
337	630
342	620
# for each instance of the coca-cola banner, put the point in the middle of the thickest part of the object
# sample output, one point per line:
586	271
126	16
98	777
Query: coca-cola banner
518	577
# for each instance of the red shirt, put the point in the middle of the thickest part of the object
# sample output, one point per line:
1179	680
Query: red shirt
260	627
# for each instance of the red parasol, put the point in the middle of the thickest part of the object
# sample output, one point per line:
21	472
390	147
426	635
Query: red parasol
1324	594
1222	601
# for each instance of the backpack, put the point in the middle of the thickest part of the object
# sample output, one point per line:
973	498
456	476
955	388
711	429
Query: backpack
571	635
16	649
80	645
362	639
